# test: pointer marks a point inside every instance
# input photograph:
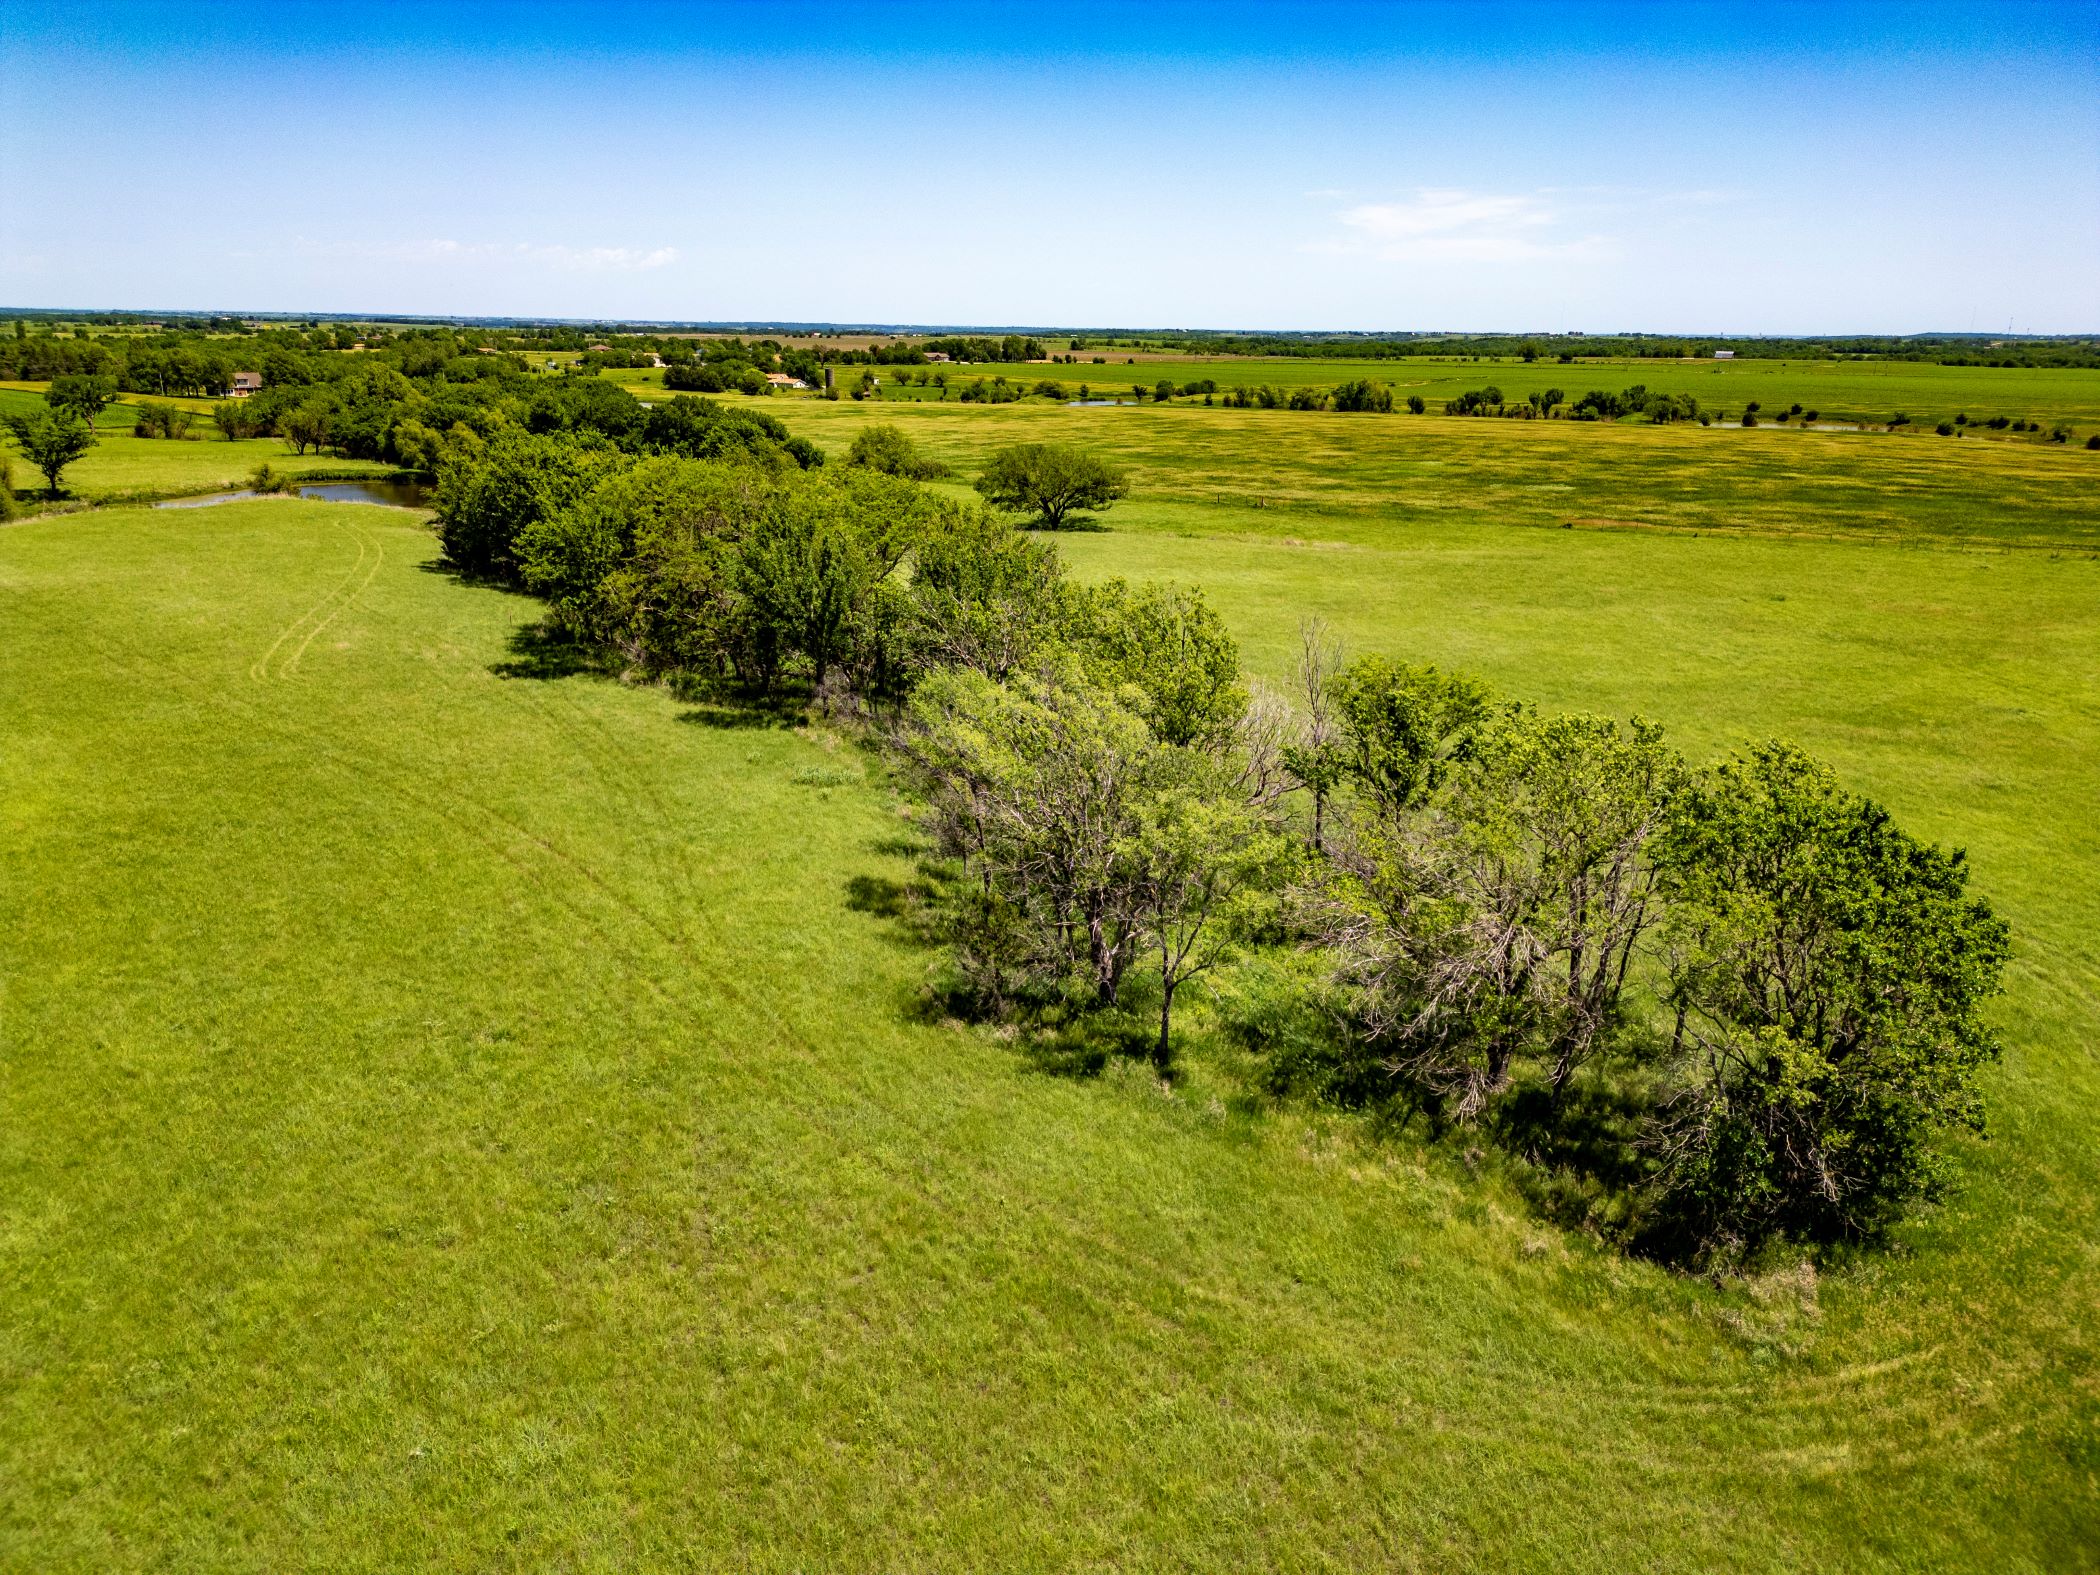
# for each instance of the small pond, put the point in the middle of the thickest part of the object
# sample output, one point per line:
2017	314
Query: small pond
382	490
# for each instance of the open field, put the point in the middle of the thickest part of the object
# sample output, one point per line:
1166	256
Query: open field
1841	391
460	1116
122	467
1351	477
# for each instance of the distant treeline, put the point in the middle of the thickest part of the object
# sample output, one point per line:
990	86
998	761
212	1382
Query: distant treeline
1946	349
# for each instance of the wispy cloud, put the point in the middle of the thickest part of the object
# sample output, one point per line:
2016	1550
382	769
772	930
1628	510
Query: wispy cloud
558	257
1445	224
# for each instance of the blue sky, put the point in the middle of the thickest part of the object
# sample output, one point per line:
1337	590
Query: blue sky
1746	167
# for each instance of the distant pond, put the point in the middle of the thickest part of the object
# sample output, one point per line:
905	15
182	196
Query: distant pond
393	494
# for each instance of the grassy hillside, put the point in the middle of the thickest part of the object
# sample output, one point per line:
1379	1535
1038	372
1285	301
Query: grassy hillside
461	1116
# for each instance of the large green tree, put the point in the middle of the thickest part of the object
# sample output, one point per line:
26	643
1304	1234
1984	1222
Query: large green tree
82	396
51	440
1828	978
1053	484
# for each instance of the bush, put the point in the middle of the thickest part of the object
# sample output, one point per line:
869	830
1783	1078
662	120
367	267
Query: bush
1362	395
240	418
158	420
1945	429
490	495
886	448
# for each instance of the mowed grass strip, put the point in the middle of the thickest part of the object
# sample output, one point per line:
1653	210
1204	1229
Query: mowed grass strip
470	1121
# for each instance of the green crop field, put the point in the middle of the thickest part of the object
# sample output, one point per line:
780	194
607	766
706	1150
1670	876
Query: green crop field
462	1114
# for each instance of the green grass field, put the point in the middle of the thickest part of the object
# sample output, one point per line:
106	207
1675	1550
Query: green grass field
1841	391
1358	477
122	468
457	1118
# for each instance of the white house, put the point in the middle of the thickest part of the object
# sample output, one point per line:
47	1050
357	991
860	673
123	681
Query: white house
244	384
782	380
1724	355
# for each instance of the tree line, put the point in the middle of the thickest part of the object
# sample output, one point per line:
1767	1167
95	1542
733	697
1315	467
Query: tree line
1705	1009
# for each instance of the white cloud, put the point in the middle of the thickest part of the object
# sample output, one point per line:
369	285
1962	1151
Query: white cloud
592	259
558	257
1443	224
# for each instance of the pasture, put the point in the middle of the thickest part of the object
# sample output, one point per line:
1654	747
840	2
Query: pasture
1842	392
1361	477
467	1113
121	468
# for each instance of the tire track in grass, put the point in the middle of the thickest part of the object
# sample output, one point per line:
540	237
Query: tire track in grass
1784	1414
259	670
378	559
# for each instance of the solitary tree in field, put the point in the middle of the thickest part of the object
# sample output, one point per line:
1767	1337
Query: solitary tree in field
1053	482
84	397
51	440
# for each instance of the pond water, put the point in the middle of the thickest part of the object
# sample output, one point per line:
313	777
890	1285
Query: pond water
391	493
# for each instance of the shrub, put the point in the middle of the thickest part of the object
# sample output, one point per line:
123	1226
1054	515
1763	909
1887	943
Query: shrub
1361	395
239	418
158	420
488	496
886	448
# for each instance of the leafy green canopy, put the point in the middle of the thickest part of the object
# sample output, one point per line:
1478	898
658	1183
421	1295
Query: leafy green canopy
1052	484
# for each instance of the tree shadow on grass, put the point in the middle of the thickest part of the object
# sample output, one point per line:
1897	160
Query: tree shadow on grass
1083	1048
736	714
1581	1161
537	651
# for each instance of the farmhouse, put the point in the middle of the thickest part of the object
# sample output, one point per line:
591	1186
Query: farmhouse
936	355
244	384
1724	355
783	380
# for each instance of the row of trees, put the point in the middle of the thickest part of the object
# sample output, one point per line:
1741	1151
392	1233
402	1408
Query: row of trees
1717	1008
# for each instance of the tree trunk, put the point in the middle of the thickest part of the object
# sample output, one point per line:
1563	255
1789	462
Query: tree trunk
1163	1053
1103	960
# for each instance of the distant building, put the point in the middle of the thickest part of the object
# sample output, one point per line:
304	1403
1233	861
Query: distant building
936	355
597	347
783	380
1724	355
245	383
655	359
